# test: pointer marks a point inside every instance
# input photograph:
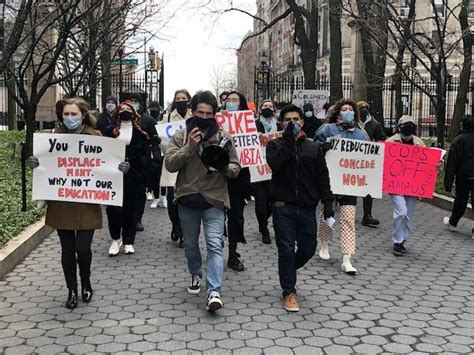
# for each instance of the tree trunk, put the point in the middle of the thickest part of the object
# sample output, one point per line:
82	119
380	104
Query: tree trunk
335	56
309	69
30	119
106	62
11	104
441	91
397	87
464	76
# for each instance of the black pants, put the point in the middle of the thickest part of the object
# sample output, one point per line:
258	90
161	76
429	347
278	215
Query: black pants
263	205
123	220
464	188
173	211
141	202
76	249
235	221
367	203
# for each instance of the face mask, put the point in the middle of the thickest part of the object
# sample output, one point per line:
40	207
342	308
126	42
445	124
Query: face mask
125	115
203	123
72	122
407	130
267	112
364	112
155	114
296	128
110	107
232	106
347	116
308	114
181	107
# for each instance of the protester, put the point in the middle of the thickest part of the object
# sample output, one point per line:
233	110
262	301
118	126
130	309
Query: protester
240	190
342	124
75	222
155	111
460	168
140	134
222	98
106	122
179	109
300	179
267	123
201	193
404	206
376	134
311	122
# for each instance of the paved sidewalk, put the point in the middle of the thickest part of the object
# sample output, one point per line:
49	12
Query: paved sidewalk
421	302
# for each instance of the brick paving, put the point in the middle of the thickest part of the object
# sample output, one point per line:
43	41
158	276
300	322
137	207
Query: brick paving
419	303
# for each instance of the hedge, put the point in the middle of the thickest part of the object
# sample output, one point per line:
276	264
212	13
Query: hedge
12	219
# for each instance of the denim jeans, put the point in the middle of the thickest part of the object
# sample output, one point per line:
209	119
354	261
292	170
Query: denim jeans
294	226
213	222
403	214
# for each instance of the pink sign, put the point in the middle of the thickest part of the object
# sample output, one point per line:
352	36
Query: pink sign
410	170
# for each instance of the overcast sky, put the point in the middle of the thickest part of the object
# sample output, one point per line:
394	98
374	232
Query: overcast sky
195	43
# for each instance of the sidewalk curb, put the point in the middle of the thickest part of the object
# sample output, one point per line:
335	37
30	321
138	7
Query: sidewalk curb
19	247
446	203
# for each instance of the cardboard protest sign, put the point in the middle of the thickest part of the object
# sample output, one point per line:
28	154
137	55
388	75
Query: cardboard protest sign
410	170
355	167
315	97
263	172
78	168
241	126
165	132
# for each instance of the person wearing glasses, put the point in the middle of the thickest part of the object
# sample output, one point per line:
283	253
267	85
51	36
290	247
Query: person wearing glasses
201	193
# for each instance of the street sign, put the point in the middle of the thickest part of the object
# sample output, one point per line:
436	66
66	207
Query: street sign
127	61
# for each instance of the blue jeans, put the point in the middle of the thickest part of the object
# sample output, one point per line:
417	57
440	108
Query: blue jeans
294	226
213	222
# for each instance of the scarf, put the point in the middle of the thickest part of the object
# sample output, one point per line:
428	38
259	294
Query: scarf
269	126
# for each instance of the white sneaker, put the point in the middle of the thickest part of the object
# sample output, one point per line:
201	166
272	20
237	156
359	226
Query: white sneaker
214	303
324	250
128	249
449	225
163	202
115	247
347	266
149	196
155	203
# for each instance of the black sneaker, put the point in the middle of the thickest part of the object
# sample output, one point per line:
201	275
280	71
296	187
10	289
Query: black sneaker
174	236
266	237
234	263
139	227
397	249
195	285
370	221
404	250
214	303
181	243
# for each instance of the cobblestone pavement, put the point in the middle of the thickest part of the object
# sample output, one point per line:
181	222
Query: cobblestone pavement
421	302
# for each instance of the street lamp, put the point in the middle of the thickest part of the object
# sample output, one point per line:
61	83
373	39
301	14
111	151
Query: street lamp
150	68
262	76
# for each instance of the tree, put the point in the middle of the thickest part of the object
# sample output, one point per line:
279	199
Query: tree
335	55
221	80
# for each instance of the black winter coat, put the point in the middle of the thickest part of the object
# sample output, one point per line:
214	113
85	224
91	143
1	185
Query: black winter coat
460	159
106	124
299	172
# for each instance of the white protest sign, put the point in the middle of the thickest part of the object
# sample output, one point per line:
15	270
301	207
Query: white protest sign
315	97
263	172
241	126
356	167
78	168
165	132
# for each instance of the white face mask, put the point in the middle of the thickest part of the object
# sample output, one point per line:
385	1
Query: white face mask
308	114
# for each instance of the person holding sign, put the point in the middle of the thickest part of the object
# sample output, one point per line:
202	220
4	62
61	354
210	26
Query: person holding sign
75	222
139	134
202	193
267	123
240	190
404	206
300	179
343	124
460	167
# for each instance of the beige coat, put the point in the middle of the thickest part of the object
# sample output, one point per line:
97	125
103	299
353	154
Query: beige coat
397	139
193	176
74	215
175	116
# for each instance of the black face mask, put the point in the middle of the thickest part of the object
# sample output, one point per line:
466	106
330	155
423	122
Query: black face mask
181	107
267	112
407	130
364	112
155	114
125	115
203	123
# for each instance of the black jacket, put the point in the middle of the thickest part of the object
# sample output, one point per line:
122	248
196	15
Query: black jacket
106	124
460	158
299	172
374	130
311	125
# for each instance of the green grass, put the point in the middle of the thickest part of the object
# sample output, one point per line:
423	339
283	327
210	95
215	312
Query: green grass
12	219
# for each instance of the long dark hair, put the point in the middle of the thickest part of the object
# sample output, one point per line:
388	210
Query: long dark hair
242	99
337	110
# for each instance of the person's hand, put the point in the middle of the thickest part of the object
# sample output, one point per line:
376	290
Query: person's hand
224	112
116	132
288	132
441	165
328	212
32	162
195	137
124	167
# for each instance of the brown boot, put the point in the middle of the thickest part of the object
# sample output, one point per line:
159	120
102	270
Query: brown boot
290	303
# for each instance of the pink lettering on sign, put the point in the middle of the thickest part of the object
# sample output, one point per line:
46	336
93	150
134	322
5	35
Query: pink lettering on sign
410	170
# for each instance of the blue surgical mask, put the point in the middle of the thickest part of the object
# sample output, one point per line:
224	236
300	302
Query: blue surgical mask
232	106
72	122
347	116
308	114
296	128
